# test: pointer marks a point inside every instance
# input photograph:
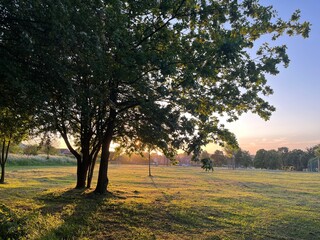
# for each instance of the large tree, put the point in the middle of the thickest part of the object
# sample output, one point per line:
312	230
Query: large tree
114	70
55	45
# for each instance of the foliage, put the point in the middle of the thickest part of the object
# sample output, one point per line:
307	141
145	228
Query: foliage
13	128
233	156
313	165
219	158
267	159
207	164
204	154
298	159
45	145
283	158
31	150
243	159
317	151
15	149
261	159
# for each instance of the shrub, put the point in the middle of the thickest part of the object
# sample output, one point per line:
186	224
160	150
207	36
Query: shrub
31	150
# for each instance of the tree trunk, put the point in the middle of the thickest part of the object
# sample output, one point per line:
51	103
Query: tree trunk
149	165
103	180
81	175
4	157
2	173
82	171
233	163
91	169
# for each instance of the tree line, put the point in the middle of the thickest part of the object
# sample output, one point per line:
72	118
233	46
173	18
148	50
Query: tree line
280	159
144	74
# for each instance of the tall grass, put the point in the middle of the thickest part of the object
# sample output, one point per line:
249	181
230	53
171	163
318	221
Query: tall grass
40	160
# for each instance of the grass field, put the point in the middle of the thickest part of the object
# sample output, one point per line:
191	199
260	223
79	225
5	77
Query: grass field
176	203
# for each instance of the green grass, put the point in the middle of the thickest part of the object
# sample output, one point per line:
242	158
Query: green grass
177	203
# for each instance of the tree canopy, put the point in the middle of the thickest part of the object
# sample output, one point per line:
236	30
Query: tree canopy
120	70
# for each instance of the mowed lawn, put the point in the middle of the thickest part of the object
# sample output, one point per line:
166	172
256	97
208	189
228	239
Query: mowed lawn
176	203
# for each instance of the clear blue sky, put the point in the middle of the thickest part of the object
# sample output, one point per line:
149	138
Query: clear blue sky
296	122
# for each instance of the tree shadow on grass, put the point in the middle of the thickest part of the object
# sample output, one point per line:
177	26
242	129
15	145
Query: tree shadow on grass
75	212
116	215
81	214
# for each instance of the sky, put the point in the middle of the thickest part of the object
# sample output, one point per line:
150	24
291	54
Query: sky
296	122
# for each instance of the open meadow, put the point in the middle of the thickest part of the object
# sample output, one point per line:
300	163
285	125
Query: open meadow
176	203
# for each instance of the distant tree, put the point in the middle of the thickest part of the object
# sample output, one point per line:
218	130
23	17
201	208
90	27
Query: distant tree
15	148
261	159
31	149
283	154
45	145
298	159
204	154
317	153
243	159
230	152
274	160
267	159
219	159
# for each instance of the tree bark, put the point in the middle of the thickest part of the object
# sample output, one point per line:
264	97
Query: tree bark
81	175
103	180
83	165
81	168
4	157
2	173
150	164
91	169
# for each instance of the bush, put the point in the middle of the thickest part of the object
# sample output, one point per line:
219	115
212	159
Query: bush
30	150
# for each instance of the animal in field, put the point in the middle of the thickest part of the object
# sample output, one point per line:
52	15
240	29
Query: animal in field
207	164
